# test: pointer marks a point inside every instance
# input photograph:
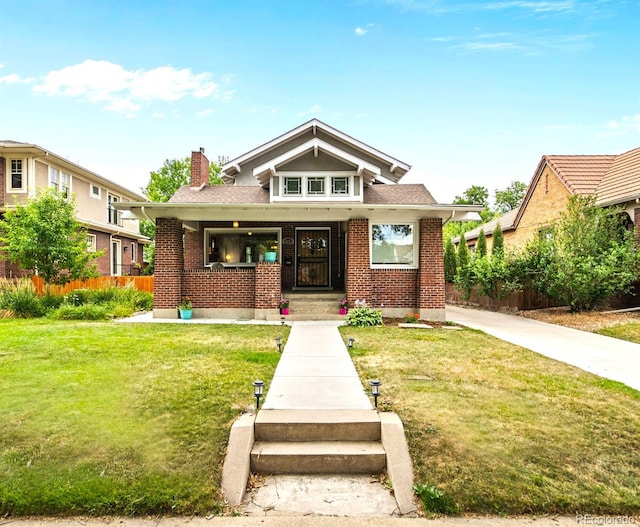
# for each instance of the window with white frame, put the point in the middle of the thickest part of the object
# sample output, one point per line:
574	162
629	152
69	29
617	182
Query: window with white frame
113	216
393	244
340	186
315	186
17	174
91	243
292	186
65	182
134	251
95	191
54	177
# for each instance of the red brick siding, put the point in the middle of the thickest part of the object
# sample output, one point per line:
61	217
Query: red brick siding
431	290
167	288
636	222
358	273
225	288
194	249
268	285
394	288
199	168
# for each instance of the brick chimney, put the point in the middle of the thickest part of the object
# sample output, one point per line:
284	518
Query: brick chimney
199	168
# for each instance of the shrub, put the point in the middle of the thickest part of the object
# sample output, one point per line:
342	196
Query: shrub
82	312
450	264
435	500
20	298
364	316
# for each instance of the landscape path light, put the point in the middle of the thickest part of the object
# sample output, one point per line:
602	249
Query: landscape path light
350	342
279	343
375	390
258	386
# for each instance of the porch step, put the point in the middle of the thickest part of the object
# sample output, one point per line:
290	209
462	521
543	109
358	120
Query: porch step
318	425
318	457
292	317
317	305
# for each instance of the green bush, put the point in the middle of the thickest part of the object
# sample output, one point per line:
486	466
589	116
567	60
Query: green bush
82	312
435	500
20	297
364	316
50	301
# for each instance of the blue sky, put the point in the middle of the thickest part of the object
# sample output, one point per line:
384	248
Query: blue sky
467	92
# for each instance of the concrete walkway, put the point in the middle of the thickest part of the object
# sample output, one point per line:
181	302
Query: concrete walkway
607	357
316	372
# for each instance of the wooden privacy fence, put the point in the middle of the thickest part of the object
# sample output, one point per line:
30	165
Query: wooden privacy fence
142	283
523	300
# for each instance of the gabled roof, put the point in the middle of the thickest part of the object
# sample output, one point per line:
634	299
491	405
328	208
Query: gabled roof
506	222
397	168
621	183
580	174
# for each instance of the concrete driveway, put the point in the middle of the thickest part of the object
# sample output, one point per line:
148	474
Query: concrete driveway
607	357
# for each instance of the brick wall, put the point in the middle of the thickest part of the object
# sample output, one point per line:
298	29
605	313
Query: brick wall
358	273
431	291
168	264
199	168
224	288
194	249
636	222
394	288
3	163
268	287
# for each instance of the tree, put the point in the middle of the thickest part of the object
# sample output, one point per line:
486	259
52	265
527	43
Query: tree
463	254
497	249
474	195
481	247
450	265
508	199
588	256
45	236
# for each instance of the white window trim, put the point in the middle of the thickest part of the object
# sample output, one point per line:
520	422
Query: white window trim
91	194
225	230
416	240
328	179
134	251
92	246
8	176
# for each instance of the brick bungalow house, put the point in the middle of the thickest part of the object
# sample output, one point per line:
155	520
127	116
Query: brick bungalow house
311	211
613	179
25	168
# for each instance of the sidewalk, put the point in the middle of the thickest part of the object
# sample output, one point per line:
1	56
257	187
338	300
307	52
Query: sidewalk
607	357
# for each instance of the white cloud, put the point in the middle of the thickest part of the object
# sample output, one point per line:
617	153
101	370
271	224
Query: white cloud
315	109
126	91
360	31
623	126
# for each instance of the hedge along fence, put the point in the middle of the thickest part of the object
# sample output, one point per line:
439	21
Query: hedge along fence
141	283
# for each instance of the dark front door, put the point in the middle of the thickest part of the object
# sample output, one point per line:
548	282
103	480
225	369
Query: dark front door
312	257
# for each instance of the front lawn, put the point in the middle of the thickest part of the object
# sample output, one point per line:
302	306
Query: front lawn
497	429
630	332
104	418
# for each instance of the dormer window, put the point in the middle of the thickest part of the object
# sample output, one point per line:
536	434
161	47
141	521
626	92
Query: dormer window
316	186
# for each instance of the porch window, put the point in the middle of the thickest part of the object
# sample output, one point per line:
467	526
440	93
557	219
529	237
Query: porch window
292	186
393	245
241	246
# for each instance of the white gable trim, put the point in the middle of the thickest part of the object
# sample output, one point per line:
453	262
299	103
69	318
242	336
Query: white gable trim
314	125
266	170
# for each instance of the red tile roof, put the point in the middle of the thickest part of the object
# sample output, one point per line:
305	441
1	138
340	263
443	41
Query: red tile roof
622	182
580	174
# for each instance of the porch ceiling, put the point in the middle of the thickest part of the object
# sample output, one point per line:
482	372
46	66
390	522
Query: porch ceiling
298	211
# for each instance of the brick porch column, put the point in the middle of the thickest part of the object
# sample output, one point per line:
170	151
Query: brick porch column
431	291
358	274
194	249
268	291
169	264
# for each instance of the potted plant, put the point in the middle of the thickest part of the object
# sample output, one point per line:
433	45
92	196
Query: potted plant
284	306
344	306
186	308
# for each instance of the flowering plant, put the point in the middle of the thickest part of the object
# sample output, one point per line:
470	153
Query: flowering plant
344	304
412	318
185	303
284	303
361	303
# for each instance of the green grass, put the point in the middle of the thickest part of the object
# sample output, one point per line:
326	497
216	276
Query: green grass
104	418
493	428
630	332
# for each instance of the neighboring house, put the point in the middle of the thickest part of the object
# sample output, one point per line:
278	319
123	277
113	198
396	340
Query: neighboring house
312	210
24	168
613	179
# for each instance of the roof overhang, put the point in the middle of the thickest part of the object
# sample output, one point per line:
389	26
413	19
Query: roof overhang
295	212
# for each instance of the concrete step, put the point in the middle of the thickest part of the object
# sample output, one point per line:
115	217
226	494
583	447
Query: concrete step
318	457
302	316
317	425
